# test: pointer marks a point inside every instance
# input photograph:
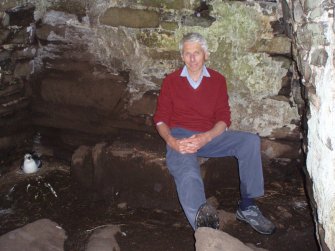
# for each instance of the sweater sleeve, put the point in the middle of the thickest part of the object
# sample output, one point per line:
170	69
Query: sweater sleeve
222	106
164	104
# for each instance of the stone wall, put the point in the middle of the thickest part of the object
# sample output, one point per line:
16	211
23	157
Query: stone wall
95	67
312	28
121	51
17	51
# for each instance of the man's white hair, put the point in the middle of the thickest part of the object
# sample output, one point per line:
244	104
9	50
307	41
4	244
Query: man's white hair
193	37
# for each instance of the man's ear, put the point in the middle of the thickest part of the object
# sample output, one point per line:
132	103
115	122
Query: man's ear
206	55
182	57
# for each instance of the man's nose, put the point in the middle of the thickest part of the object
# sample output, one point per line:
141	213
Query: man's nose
192	57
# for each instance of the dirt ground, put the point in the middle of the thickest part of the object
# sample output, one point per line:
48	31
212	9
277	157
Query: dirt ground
51	194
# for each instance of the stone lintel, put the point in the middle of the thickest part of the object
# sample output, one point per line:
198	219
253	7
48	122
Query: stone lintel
131	18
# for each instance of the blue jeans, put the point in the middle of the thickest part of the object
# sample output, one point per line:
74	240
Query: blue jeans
185	168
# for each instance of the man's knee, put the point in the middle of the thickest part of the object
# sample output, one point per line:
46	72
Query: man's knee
252	140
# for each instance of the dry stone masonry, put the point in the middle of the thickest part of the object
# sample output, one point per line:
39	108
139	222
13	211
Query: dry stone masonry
311	25
97	67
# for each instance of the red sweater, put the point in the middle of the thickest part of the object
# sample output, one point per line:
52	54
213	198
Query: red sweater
179	105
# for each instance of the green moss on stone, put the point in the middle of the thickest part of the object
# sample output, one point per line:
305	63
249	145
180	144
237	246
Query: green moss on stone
75	7
169	25
168	4
164	55
155	39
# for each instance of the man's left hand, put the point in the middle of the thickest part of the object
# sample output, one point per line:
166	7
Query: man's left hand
195	142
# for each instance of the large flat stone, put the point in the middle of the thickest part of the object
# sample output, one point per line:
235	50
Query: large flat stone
208	239
40	235
130	18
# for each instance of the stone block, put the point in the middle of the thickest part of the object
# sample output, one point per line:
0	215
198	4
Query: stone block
198	21
76	7
50	33
277	45
316	13
286	133
165	55
168	4
317	33
299	15
104	239
281	149
4	34
208	239
27	53
169	25
145	105
81	166
13	141
21	15
58	18
135	174
5	58
297	93
131	18
10	92
305	68
304	37
23	70
126	173
319	57
102	94
20	37
161	40
40	235
310	5
5	18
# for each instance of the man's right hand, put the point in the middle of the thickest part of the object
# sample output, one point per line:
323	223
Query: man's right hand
180	145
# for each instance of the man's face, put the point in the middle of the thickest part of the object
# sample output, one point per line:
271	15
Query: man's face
194	57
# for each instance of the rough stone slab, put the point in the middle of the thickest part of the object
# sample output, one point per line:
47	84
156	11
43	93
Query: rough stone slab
21	15
104	239
99	93
130	18
14	105
50	33
81	166
277	45
23	70
40	235
127	172
4	34
145	105
277	149
208	239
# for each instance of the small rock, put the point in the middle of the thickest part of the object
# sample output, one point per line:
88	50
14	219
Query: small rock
104	239
122	205
208	239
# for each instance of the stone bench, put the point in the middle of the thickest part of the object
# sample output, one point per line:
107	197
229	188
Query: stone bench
136	174
124	172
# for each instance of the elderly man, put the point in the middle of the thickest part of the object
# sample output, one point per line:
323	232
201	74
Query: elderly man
193	117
